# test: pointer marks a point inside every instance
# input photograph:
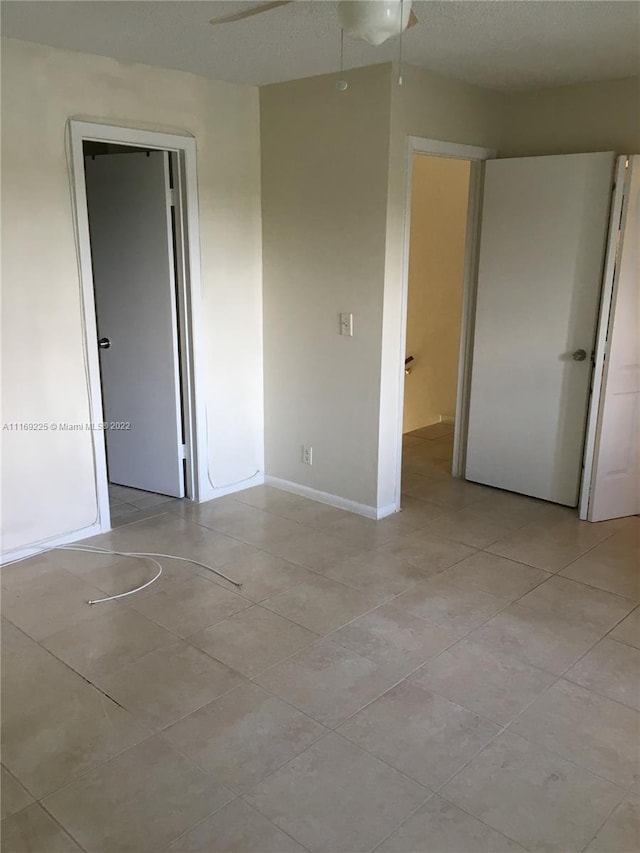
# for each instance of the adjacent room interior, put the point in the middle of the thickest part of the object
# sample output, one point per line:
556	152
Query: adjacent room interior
135	238
437	243
321	427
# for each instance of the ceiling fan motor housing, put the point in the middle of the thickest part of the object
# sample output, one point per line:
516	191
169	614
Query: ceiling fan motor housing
374	21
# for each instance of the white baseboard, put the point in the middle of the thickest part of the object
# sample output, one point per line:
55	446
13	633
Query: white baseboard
447	419
47	544
209	493
384	511
327	498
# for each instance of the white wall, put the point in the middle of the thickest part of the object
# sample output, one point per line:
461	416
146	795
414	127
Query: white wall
439	196
48	479
324	185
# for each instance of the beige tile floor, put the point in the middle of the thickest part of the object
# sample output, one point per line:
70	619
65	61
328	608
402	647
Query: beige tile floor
128	505
459	678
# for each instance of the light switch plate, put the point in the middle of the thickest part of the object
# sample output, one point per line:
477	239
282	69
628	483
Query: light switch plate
346	324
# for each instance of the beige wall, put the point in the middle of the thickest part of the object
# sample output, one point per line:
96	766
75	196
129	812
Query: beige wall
573	119
439	195
324	196
333	183
48	479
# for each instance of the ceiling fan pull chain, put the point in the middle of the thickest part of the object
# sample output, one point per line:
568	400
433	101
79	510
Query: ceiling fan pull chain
400	43
341	84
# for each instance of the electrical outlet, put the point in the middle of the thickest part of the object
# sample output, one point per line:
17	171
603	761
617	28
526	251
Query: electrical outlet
307	455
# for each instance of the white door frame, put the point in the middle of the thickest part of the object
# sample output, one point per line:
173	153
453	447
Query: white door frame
603	336
188	291
477	156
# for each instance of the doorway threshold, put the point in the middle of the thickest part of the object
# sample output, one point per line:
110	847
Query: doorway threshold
128	505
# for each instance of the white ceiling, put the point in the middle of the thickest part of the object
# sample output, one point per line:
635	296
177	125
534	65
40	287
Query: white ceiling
494	43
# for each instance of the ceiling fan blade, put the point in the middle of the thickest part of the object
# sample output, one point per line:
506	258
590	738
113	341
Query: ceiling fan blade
249	13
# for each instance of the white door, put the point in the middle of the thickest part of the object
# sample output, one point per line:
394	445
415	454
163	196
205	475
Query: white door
129	206
615	485
544	225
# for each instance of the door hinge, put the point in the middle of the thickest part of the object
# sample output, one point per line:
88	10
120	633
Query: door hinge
183	451
172	197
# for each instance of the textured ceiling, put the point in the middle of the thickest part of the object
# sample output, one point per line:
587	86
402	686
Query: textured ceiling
499	44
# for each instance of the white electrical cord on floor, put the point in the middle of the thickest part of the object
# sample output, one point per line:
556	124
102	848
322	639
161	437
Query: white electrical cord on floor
143	555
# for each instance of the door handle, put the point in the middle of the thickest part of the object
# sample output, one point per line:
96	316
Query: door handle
579	355
104	343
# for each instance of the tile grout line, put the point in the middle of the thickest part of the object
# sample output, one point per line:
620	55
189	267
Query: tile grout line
238	793
383	692
320	637
41	805
402	823
427	790
503	728
477	549
322	530
330	730
622	642
506	727
456	806
143	721
249	805
557	572
609	815
273	822
558	677
386	601
22	785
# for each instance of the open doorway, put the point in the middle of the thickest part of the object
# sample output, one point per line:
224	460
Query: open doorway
133	236
135	203
530	298
436	272
531	292
432	422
